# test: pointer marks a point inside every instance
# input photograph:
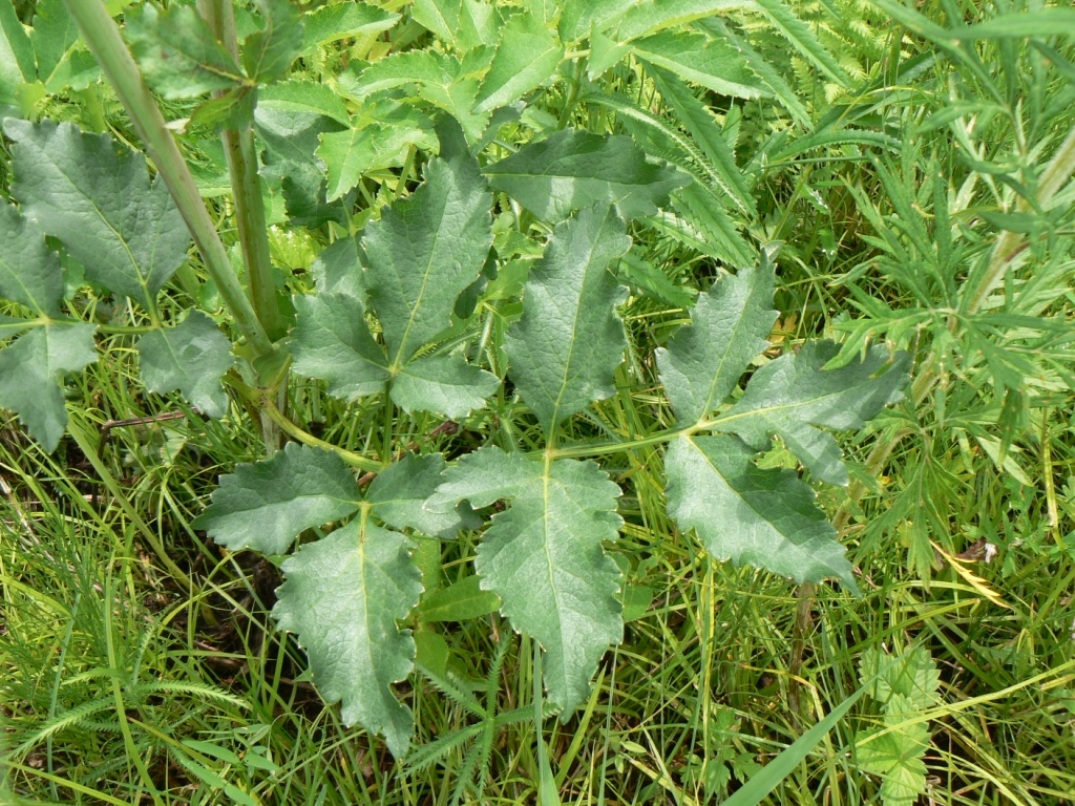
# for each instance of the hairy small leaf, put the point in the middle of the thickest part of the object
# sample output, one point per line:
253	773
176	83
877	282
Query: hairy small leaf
191	357
701	364
264	506
574	169
794	393
124	228
564	350
766	518
544	557
343	596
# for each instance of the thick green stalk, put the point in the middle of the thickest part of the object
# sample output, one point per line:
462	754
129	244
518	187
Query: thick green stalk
104	41
246	188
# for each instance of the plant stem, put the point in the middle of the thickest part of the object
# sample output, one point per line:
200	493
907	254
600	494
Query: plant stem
246	188
306	438
103	39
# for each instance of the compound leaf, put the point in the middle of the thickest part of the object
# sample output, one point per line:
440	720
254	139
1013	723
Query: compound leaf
191	357
701	364
178	53
564	350
445	385
745	514
331	341
124	228
264	506
544	557
794	393
527	55
572	170
29	273
31	373
342	598
424	252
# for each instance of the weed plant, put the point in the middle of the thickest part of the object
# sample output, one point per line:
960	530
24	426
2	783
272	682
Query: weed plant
913	163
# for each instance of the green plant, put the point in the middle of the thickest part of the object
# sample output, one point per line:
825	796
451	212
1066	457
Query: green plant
470	320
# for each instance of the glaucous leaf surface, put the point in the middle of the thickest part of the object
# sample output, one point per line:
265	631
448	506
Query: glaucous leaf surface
343	596
745	514
191	357
572	169
30	274
263	506
424	252
31	373
703	361
543	556
526	56
178	54
98	200
444	384
399	497
338	269
569	341
794	393
331	341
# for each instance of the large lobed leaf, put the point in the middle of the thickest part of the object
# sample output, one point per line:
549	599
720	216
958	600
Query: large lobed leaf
544	557
190	357
564	350
766	518
703	361
32	366
421	255
527	54
264	506
343	596
794	393
571	170
100	203
424	252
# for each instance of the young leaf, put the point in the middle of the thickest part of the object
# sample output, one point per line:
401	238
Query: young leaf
178	53
29	273
701	364
896	752
54	32
124	228
343	596
564	350
574	169
544	557
766	518
527	55
268	54
424	252
190	357
264	506
793	394
31	370
16	54
344	20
